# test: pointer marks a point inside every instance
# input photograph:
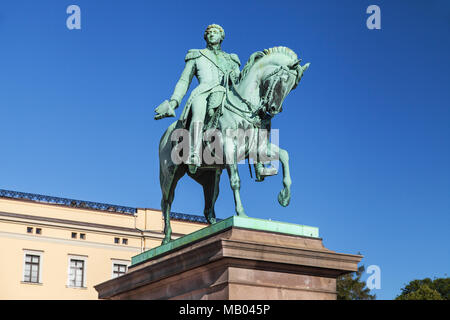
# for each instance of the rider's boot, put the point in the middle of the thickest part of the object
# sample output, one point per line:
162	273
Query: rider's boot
261	171
195	146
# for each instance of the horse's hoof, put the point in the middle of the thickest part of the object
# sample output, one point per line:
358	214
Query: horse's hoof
210	217
165	241
241	213
211	220
284	198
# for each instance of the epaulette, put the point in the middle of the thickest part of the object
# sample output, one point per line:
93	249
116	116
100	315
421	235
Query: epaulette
192	54
235	58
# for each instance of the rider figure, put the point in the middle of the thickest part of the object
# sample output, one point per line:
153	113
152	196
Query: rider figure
214	69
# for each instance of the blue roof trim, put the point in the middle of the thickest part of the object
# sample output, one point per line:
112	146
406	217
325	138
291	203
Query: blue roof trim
92	205
189	217
67	202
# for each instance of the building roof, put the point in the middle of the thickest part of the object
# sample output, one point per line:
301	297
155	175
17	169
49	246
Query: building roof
73	203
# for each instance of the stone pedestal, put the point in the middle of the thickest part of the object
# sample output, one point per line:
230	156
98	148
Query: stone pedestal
237	258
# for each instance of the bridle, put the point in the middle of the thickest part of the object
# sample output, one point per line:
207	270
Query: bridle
270	89
253	111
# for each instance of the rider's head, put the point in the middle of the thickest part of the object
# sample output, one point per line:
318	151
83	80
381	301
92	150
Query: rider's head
214	34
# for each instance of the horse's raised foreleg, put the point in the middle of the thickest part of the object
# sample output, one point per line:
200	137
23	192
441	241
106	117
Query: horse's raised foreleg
235	183
285	194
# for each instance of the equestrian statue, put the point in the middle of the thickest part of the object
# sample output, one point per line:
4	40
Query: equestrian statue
225	120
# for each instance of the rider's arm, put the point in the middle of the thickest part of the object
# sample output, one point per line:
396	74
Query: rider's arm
182	85
236	70
237	73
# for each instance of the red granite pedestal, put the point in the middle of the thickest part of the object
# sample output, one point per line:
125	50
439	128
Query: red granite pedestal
236	263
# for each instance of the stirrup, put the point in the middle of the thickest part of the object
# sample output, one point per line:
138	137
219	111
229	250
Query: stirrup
194	163
261	172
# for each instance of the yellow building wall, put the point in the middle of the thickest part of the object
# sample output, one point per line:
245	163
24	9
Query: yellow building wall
143	231
55	268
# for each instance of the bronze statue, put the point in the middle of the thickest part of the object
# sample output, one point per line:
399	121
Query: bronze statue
228	102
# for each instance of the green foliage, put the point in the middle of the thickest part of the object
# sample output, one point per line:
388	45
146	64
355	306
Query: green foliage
442	285
426	289
351	287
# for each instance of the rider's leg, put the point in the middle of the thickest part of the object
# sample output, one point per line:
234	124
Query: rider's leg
198	110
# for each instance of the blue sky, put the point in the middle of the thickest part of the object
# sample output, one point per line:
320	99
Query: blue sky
367	129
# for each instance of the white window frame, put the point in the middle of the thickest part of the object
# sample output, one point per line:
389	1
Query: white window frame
77	257
38	253
119	261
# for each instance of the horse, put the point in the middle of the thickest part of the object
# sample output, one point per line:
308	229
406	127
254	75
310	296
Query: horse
265	81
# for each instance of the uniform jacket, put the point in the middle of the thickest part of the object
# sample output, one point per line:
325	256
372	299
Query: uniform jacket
211	70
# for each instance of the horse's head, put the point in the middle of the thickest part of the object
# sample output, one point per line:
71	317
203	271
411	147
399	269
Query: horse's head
278	71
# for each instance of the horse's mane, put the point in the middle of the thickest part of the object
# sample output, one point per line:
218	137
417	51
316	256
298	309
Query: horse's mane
259	54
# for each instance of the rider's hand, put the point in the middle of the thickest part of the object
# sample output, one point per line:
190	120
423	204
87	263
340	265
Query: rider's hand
165	109
160	116
173	104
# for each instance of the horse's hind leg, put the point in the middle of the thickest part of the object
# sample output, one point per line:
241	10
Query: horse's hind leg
167	199
165	208
211	192
209	179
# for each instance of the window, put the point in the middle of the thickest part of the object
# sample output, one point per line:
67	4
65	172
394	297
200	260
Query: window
77	268
119	269
74	235
82	236
29	229
32	266
31	270
38	231
117	240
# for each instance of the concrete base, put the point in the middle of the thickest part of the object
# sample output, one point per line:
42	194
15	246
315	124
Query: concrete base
236	263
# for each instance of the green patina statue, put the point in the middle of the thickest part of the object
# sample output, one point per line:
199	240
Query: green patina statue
235	109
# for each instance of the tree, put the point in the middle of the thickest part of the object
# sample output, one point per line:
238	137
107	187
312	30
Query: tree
426	289
351	287
442	285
